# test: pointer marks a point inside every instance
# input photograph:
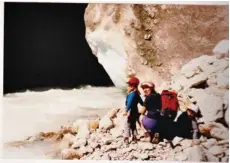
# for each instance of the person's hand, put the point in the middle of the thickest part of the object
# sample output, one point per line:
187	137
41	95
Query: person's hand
124	113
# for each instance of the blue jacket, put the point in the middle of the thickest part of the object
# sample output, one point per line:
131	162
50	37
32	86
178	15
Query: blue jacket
132	101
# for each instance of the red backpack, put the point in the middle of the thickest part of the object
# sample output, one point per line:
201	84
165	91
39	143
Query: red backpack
169	100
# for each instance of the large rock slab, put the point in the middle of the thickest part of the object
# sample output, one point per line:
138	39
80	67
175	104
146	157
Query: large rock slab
221	48
195	154
211	106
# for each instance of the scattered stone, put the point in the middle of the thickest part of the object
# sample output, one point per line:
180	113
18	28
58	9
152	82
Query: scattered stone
145	145
225	159
116	132
210	157
219	132
145	62
94	145
79	143
107	141
223	80
210	143
83	130
216	150
195	153
162	144
159	63
70	154
223	142
93	125
66	141
106	156
178	149
186	143
180	157
177	140
144	156
85	150
113	113
106	123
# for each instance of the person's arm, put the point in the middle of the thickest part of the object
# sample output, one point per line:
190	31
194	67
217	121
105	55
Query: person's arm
130	100
195	129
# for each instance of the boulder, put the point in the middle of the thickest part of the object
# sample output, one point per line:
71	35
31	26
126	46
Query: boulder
223	142
180	157
216	150
85	150
195	154
211	106
210	157
70	154
193	67
209	143
221	48
116	132
219	132
186	143
106	123
223	80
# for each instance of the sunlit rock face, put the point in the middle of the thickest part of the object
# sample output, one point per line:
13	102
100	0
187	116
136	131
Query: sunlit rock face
153	41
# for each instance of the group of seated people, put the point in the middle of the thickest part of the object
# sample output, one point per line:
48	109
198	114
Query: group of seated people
159	123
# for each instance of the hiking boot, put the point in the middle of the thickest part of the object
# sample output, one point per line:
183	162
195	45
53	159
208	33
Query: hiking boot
156	138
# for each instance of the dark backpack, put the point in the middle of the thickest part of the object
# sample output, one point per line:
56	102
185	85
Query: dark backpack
170	103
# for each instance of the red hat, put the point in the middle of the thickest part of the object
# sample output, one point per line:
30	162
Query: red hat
133	81
148	85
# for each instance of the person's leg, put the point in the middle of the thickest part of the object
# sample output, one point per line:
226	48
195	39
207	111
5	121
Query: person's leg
126	131
134	130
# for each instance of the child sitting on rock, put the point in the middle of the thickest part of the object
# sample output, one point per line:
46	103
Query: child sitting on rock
131	110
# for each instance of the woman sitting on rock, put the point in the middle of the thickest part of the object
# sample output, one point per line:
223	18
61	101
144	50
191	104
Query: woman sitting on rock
186	125
131	110
152	105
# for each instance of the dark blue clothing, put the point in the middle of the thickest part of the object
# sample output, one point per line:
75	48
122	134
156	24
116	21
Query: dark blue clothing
132	101
153	105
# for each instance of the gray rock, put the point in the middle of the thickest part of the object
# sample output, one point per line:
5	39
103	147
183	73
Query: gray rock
79	143
225	159
210	157
210	143
69	154
94	145
219	132
221	48
180	157
195	153
211	106
223	142
106	123
163	144
223	80
177	140
186	143
144	156
116	132
216	150
106	156
145	145
178	149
